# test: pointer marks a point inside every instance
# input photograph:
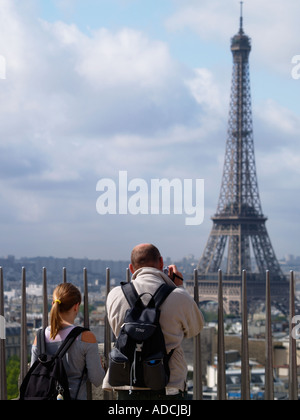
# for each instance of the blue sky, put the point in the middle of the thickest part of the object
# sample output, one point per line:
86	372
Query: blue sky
94	87
146	15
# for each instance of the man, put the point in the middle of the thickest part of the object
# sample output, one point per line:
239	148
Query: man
180	318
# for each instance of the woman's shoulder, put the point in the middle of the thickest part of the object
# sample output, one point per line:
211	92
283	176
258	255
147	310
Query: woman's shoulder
88	337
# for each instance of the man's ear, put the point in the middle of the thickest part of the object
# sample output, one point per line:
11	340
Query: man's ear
131	269
161	263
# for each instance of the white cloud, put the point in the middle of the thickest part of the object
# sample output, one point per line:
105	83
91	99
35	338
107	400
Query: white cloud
108	61
206	91
272	24
209	19
279	118
77	107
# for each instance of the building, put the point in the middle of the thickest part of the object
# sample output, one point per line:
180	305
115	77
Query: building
239	235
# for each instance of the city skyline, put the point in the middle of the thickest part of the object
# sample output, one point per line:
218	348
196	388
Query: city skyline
93	88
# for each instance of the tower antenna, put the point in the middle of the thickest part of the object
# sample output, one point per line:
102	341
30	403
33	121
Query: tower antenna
241	19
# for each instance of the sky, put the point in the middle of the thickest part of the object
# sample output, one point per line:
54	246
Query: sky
91	88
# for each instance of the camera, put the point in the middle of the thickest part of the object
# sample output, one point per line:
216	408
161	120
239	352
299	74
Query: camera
166	270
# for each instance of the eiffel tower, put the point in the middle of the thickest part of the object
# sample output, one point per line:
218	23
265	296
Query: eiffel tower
239	225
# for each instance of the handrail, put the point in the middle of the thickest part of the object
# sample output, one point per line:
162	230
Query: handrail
198	390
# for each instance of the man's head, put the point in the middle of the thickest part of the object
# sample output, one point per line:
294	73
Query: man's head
145	255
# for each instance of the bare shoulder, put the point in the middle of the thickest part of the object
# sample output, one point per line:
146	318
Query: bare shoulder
88	337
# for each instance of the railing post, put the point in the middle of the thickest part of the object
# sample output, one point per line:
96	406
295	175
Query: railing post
293	380
107	334
269	374
3	384
128	276
24	353
86	323
245	381
45	299
222	395
64	276
86	320
197	376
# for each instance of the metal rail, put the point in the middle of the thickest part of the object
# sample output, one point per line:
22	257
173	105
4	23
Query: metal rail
198	377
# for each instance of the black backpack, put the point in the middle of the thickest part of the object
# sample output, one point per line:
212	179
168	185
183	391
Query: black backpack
47	378
139	357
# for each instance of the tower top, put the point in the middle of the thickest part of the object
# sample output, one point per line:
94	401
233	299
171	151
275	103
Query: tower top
241	19
241	43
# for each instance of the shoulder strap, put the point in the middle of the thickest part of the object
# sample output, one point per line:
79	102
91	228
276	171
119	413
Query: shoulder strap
41	341
131	295
69	340
158	298
161	294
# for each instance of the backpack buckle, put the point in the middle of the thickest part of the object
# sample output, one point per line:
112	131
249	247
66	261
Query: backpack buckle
139	347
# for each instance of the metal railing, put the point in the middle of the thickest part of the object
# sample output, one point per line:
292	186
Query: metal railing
197	376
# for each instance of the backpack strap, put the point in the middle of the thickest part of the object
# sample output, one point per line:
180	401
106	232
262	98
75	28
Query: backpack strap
131	295
41	341
159	297
66	344
161	294
156	301
69	340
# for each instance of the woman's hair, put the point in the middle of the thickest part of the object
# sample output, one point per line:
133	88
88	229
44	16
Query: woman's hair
65	296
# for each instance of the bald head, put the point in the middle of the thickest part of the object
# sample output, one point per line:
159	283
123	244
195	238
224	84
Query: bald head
145	255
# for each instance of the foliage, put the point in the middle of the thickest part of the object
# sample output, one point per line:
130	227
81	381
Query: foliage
12	375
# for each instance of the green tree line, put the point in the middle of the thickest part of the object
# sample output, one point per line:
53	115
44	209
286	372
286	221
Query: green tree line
12	377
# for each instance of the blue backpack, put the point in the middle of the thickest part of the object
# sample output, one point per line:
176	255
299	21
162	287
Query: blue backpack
139	357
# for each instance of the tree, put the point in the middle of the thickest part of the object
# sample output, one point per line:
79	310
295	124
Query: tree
12	375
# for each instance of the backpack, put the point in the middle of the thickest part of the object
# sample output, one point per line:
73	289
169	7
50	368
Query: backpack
47	378
139	357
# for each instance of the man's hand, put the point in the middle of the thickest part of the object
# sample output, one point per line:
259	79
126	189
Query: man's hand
175	275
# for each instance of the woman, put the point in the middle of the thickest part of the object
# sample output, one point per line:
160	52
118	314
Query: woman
83	352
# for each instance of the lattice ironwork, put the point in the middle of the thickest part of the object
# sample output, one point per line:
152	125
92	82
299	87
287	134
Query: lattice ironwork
239	226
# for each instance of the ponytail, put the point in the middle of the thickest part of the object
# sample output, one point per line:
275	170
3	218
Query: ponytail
55	320
65	296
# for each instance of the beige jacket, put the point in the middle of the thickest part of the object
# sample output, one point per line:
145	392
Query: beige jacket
180	318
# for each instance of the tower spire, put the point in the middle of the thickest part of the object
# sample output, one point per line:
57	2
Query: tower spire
241	19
